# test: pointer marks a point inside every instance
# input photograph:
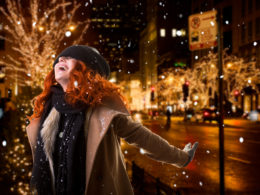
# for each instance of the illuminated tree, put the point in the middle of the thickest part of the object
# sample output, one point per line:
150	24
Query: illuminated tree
36	34
237	74
169	86
203	79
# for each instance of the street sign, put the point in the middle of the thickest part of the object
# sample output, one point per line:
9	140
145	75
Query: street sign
203	30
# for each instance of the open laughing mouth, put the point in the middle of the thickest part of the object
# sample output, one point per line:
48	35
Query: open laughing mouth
62	68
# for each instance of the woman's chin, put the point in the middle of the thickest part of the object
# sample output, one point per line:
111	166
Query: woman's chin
62	81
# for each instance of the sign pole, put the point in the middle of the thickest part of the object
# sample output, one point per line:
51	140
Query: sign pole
221	118
202	34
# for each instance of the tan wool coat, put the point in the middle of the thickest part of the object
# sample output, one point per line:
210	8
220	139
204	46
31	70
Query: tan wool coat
105	167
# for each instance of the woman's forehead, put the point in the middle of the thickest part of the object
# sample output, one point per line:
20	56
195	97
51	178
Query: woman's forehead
67	57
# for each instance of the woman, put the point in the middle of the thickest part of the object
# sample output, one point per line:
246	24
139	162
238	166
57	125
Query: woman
75	129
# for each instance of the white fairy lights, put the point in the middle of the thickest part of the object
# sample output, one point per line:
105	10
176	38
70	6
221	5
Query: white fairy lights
44	28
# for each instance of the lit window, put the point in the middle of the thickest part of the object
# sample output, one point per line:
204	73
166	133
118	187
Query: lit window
162	32
173	32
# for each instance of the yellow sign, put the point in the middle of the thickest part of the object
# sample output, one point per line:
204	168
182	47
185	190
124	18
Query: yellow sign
203	30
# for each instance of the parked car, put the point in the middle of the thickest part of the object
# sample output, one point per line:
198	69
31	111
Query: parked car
210	115
153	113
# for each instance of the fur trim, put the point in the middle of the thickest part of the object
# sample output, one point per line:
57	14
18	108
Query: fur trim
48	133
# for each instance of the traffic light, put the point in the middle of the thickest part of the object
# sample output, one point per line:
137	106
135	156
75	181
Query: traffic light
236	94
152	93
185	90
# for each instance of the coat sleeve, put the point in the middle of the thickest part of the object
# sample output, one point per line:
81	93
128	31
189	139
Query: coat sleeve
155	146
32	130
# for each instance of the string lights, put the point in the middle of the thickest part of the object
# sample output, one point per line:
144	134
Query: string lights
36	37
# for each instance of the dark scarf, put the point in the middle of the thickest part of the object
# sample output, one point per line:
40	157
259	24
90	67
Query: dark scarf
69	152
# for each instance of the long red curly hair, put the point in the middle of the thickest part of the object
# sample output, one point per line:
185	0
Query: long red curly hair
91	88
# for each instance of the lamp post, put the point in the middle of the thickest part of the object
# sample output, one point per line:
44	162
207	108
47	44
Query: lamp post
221	125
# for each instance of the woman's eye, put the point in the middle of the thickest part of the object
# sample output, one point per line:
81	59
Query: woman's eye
68	58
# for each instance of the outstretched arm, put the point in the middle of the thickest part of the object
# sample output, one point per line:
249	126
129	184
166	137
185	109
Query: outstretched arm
155	146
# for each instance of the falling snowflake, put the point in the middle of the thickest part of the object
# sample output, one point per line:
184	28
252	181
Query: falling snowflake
142	151
68	34
76	83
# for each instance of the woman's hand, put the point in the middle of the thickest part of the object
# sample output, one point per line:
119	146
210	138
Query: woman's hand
191	151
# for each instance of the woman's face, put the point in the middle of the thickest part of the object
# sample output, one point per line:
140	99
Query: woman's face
63	69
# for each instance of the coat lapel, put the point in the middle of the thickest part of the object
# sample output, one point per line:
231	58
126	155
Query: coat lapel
48	133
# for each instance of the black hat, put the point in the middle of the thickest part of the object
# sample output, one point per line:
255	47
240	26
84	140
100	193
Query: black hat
89	55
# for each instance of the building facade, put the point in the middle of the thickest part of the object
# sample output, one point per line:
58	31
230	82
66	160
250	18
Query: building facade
163	45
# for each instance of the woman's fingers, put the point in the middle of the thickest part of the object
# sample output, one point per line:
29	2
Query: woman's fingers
195	145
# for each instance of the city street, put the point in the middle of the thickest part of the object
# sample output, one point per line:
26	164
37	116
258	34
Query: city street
242	162
178	66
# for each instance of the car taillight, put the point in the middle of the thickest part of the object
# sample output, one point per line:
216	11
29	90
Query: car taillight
206	113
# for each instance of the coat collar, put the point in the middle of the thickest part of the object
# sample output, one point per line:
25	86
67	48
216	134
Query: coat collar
97	123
